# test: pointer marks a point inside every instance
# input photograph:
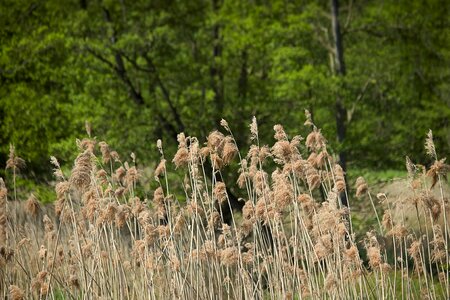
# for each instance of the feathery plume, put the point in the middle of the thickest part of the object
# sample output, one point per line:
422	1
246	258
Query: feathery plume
16	293
411	168
308	121
3	191
330	282
229	256
438	254
81	173
280	134
181	158
415	252
361	186
224	124
86	145
131	176
339	178
315	141
374	255
115	156
106	153
215	141
57	170
312	176
254	129
439	168
160	169
159	146
120	173
387	220
216	161
14	162
429	145
88	127
220	192
229	151
32	205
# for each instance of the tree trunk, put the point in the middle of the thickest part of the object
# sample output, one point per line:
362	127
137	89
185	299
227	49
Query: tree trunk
339	69
216	71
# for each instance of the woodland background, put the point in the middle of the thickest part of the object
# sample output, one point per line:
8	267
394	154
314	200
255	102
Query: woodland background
143	70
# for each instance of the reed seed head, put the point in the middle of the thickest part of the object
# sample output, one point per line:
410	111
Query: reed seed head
254	129
361	186
16	293
32	206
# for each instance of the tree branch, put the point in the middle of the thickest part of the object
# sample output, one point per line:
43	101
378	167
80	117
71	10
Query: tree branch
120	70
166	94
119	66
351	111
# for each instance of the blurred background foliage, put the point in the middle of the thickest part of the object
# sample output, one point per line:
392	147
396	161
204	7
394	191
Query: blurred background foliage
142	70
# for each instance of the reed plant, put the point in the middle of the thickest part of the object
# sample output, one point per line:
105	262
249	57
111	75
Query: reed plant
293	238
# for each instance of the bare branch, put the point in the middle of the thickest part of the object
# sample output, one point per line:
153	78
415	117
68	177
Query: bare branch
360	96
166	94
120	70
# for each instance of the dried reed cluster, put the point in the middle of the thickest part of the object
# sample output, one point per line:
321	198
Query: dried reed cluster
293	238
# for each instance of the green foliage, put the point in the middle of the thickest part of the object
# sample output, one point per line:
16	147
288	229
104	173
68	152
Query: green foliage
144	70
45	193
374	177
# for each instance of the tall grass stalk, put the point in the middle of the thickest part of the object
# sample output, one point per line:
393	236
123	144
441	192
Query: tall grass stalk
293	239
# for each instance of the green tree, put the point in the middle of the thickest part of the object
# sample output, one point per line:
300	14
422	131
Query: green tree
142	70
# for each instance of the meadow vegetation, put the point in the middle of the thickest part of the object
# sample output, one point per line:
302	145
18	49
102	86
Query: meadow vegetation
103	238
